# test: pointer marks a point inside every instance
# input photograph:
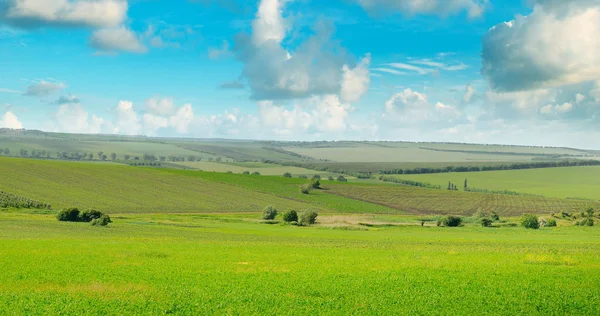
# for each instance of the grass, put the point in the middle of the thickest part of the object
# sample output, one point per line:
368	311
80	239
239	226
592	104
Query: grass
208	264
571	182
264	169
117	188
432	201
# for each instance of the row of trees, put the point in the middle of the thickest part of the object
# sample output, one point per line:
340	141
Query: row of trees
12	200
305	218
102	156
515	166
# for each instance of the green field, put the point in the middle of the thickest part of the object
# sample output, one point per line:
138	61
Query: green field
262	168
197	265
572	182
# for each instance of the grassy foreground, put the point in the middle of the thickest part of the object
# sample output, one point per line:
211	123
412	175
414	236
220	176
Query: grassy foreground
226	264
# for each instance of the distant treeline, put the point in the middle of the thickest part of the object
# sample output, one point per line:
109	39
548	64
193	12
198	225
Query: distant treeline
514	166
506	153
11	200
504	192
409	182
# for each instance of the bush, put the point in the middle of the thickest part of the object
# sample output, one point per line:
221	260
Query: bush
89	215
316	177
495	217
330	178
103	220
342	179
315	183
256	173
585	222
68	215
246	172
530	221
551	223
452	221
287	175
269	213
306	188
290	216
486	222
302	177
307	218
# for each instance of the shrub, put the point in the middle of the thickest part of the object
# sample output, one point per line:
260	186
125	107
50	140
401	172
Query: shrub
589	212
290	216
315	183
530	221
585	222
452	221
68	215
269	213
486	222
330	178
306	188
551	223
246	172
307	218
495	217
302	177
287	175
89	215
342	179
256	173
103	220
316	177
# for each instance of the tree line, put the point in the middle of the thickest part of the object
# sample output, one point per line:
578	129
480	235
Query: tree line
12	200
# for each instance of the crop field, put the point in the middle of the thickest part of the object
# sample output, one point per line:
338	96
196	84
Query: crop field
116	188
263	169
432	201
409	154
571	182
198	265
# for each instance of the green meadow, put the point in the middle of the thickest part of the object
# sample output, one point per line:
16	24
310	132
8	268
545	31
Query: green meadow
570	182
196	264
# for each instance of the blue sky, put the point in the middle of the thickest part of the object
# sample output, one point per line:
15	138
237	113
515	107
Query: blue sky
491	71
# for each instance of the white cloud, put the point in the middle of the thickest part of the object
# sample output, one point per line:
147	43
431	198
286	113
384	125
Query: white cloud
60	13
556	109
72	118
273	72
555	45
152	123
474	8
117	39
220	52
160	106
10	120
406	100
182	119
579	98
355	82
44	88
127	122
469	93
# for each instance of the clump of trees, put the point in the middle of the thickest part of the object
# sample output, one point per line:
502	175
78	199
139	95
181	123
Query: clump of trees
342	179
450	221
287	175
269	213
587	218
408	182
290	216
307	218
94	217
530	221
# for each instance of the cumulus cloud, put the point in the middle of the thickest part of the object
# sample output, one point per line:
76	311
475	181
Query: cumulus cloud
474	8
160	106
355	82
315	67
44	88
127	122
73	118
10	120
117	39
555	45
413	108
556	109
63	13
469	93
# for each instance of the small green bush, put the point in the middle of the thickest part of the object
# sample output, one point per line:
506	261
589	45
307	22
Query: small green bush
316	177
246	172
290	216
585	222
315	183
452	221
331	178
486	222
495	217
342	179
551	223
89	215
302	177
104	220
287	175
307	218
68	215
306	188
256	173
530	221
269	213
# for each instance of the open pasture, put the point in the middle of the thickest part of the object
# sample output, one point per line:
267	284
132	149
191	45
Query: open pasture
570	182
207	264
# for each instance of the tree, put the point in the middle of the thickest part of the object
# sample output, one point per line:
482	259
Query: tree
307	218
466	184
342	179
113	156
104	157
449	186
330	178
6	151
530	221
316	177
269	213
127	157
191	158
290	216
589	212
163	158
91	156
287	175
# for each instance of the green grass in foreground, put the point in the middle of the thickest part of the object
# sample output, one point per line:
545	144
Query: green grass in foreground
208	264
573	182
